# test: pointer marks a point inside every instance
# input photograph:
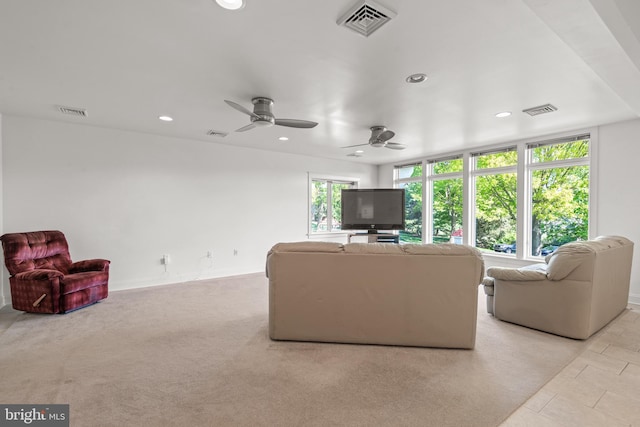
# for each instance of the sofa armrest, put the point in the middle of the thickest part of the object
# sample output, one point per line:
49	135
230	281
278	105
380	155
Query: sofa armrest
38	274
524	274
89	265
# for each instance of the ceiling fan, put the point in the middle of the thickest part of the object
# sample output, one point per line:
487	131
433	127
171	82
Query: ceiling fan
380	137
262	116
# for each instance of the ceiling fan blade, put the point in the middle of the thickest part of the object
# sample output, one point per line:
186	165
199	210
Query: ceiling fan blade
357	145
247	127
395	146
386	135
241	109
293	123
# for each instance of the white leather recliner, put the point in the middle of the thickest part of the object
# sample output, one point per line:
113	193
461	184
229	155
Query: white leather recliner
580	288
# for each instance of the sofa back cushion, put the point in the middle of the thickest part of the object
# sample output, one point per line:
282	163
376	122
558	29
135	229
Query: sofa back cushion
308	246
373	248
36	250
578	258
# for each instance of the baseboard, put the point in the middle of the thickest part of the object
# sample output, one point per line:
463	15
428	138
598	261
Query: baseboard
634	299
178	278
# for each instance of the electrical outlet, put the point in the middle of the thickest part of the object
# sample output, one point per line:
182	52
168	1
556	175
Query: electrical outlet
209	253
235	252
165	259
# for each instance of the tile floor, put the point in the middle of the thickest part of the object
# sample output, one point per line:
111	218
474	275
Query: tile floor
601	387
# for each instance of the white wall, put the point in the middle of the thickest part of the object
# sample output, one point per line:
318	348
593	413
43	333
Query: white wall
618	200
3	271
132	197
618	195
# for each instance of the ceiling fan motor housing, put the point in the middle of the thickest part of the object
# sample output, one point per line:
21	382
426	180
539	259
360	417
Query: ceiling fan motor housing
262	109
377	139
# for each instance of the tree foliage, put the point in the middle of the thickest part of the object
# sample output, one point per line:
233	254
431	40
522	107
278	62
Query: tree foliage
559	199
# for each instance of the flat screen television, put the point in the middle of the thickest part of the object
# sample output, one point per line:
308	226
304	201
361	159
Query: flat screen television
373	209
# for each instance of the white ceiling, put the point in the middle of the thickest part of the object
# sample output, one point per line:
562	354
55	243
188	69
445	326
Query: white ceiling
129	61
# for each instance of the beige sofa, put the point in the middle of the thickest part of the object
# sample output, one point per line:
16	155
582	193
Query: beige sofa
580	288
374	293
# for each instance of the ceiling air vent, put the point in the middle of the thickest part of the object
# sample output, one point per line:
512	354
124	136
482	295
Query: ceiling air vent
73	111
541	109
365	17
217	133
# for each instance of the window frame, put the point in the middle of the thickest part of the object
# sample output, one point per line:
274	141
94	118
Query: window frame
430	177
523	169
475	172
531	167
422	179
329	180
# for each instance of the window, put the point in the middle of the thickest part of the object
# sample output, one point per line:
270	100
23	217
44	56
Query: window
524	199
495	198
325	203
409	177
445	179
558	193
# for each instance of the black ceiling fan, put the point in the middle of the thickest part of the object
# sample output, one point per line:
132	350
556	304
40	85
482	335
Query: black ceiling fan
262	116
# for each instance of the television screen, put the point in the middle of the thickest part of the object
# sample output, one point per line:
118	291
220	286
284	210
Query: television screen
373	209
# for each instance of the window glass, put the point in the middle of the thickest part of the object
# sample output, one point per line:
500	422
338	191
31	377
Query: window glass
318	206
496	160
413	212
447	166
495	212
409	177
559	194
409	171
336	204
559	207
496	200
447	210
326	204
560	151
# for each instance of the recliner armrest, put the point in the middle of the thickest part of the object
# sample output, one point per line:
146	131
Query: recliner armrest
89	265
38	274
529	273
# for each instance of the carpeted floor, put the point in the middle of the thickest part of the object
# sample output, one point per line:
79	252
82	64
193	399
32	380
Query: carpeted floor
198	354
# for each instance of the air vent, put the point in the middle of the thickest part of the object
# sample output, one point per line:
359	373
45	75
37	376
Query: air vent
73	111
365	17
217	133
541	109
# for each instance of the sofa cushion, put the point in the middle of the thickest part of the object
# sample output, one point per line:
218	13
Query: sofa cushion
439	249
373	248
46	250
530	272
76	282
570	256
331	247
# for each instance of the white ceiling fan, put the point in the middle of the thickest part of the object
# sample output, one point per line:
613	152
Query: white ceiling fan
262	116
380	137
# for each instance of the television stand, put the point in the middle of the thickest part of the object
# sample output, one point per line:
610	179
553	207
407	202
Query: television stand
376	237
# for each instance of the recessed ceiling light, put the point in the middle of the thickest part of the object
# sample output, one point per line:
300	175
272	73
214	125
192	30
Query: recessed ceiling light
283	138
503	114
231	4
165	118
416	78
359	151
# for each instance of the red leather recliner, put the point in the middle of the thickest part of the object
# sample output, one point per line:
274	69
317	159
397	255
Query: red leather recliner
43	278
